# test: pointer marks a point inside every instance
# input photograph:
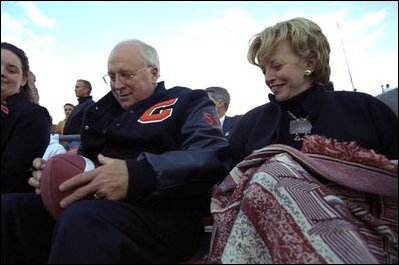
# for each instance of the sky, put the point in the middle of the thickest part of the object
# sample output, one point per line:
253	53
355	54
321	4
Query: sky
200	44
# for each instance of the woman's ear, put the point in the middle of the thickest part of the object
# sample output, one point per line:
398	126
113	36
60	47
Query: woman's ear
311	62
24	80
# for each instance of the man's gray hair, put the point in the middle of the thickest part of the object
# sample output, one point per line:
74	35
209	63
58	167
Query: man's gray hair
219	93
149	53
86	84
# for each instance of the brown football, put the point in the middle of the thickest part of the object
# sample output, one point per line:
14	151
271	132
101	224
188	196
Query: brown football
58	169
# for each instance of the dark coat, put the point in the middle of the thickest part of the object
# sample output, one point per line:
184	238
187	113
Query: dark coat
342	115
73	124
229	125
25	135
172	143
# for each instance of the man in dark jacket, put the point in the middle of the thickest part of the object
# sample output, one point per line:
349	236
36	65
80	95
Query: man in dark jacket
221	97
157	154
73	124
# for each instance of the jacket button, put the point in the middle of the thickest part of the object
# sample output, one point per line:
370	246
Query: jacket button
86	128
118	125
96	108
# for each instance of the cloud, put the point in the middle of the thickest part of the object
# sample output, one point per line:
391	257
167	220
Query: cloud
11	27
36	15
213	52
39	46
369	65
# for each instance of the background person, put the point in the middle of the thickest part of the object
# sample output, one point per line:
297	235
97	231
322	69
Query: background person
32	86
221	97
73	124
68	107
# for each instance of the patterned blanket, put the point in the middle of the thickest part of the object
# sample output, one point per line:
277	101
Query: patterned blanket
332	204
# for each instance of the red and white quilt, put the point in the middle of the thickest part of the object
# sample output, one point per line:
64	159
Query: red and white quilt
330	202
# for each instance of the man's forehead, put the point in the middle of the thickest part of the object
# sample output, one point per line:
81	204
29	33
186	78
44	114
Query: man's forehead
125	56
125	50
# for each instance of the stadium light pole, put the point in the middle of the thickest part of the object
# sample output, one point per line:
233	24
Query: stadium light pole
346	59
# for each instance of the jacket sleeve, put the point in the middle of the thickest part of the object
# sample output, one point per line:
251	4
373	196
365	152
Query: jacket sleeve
29	140
194	167
237	143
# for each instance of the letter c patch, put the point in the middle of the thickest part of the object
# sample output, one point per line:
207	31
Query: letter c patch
149	117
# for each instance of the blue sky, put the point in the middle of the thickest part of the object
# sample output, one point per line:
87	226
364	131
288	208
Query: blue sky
200	44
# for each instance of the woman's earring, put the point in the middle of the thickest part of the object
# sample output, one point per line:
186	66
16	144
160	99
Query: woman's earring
308	72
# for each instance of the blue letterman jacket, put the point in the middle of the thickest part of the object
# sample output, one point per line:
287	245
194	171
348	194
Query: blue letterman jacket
172	142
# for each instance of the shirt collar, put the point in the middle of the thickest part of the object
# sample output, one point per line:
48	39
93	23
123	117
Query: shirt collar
83	99
222	119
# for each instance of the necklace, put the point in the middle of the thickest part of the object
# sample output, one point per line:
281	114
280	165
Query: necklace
299	126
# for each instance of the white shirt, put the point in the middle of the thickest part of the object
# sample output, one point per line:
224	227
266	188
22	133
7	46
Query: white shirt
54	147
222	120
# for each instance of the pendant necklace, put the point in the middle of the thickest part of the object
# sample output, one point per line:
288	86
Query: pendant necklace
299	126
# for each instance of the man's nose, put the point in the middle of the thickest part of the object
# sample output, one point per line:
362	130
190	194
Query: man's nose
118	83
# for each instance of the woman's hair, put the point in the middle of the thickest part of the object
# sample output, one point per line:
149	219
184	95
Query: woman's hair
69	104
306	38
26	90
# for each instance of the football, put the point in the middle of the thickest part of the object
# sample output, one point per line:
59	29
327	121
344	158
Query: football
58	169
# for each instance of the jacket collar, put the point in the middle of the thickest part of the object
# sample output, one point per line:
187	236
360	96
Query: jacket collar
310	100
83	99
11	100
159	91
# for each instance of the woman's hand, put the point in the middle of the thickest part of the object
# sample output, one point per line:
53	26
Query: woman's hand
38	166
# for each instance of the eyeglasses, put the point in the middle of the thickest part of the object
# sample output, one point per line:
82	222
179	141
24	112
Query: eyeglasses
124	77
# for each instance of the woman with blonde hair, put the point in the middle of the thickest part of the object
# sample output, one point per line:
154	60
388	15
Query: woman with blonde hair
312	181
294	58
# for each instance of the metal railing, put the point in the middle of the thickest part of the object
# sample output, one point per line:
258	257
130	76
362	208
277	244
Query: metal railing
69	137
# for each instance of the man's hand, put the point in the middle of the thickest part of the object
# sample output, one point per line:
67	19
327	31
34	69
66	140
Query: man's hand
109	181
38	166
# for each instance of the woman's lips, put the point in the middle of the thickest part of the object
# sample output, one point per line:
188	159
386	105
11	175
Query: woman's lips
276	88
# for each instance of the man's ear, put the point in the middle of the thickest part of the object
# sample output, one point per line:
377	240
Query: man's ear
155	73
220	103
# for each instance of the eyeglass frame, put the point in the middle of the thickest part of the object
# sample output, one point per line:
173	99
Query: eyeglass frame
131	76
